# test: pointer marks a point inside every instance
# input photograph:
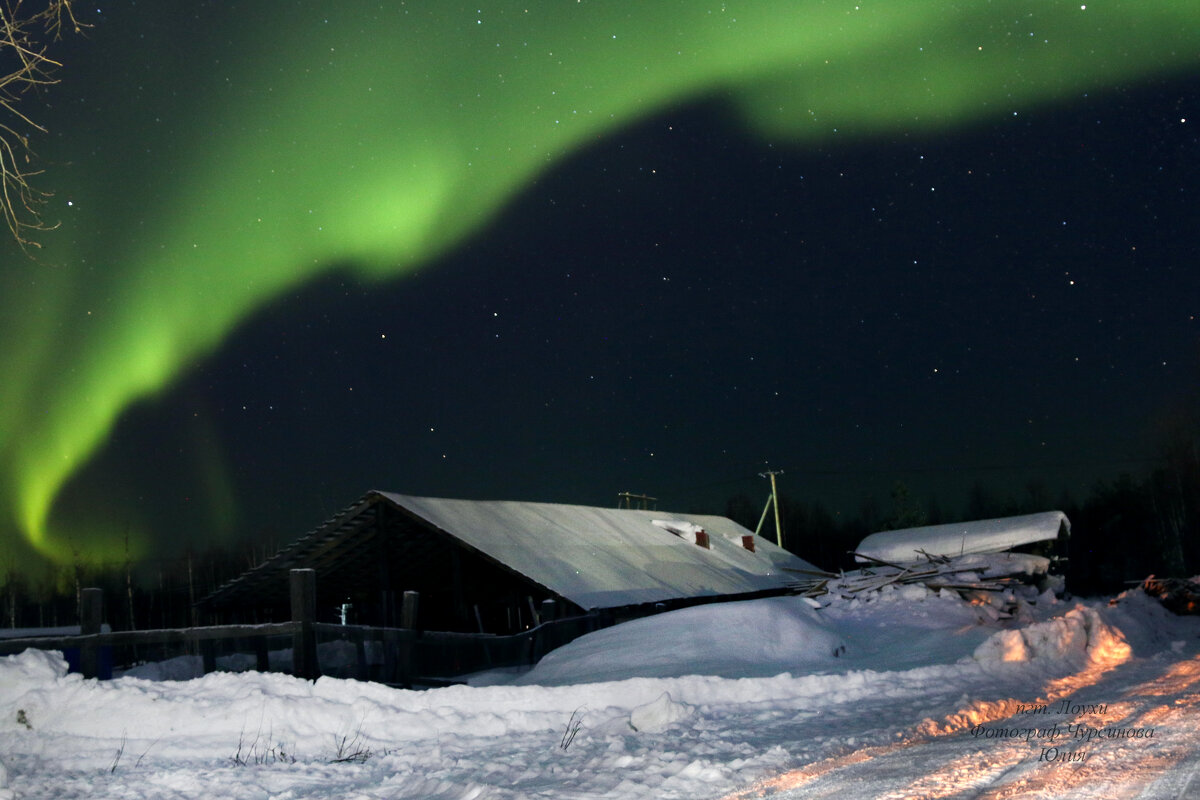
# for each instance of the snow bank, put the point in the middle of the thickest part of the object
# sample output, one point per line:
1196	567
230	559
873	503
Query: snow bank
660	714
33	669
180	668
749	638
1149	627
1077	637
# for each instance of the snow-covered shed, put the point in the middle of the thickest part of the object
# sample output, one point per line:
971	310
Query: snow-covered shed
1046	532
488	564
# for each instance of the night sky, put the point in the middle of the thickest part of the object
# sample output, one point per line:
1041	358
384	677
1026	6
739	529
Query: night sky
674	303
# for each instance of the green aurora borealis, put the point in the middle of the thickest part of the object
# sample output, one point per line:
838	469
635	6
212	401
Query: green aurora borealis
208	159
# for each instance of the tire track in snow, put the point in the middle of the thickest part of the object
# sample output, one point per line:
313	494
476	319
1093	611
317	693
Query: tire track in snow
958	768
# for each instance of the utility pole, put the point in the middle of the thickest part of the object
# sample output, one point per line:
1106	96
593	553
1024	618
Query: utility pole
773	500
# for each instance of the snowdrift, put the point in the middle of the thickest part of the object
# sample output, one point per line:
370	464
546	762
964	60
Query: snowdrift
748	638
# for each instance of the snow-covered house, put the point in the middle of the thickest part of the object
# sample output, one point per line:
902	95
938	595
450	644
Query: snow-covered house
489	565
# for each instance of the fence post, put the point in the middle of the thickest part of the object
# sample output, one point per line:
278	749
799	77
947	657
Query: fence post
363	670
391	654
208	655
304	611
412	604
91	617
262	657
409	614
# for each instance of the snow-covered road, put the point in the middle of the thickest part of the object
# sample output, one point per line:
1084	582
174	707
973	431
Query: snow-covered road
912	694
1129	731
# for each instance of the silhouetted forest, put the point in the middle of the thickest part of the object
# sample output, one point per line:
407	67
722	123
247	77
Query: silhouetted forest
1124	531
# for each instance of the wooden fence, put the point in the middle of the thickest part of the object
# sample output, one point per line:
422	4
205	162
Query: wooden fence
306	648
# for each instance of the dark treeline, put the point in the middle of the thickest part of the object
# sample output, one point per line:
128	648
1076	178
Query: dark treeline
1122	532
141	595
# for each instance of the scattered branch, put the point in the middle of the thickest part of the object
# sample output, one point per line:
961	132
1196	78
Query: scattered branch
120	752
574	724
260	751
350	749
138	763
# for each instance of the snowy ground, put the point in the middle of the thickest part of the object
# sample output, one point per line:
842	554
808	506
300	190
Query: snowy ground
911	694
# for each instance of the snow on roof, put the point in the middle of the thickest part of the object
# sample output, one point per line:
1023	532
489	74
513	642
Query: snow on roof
607	557
960	538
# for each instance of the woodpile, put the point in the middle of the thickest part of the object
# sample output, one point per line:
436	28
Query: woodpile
999	596
1179	595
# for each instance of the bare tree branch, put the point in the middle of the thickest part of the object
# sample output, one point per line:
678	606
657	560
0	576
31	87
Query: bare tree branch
25	36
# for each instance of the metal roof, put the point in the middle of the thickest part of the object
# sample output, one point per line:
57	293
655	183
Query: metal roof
606	557
961	538
594	557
